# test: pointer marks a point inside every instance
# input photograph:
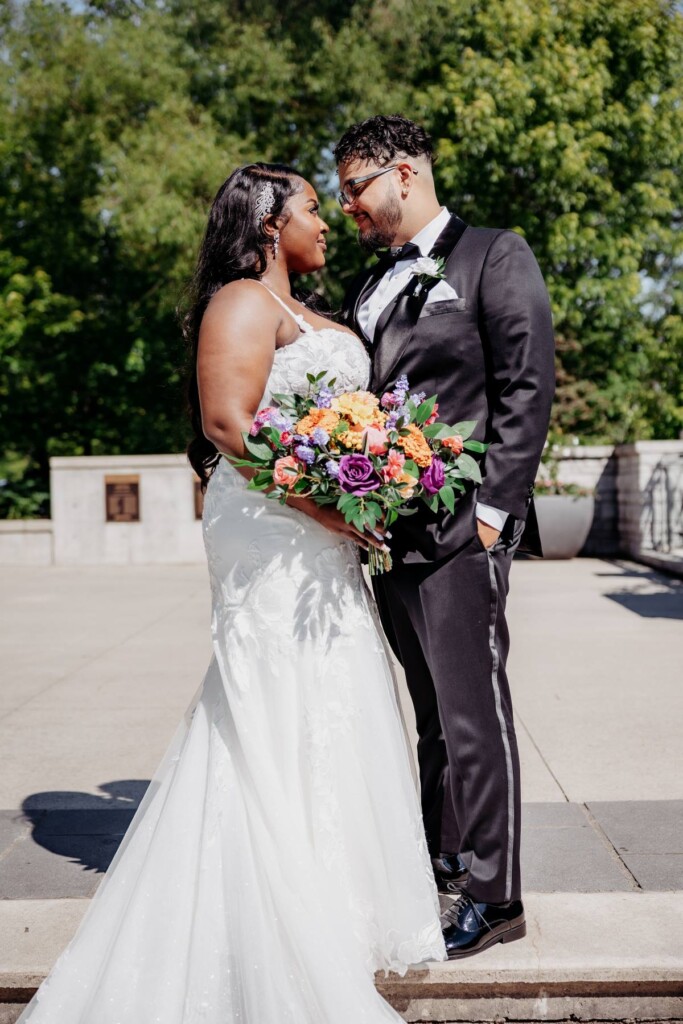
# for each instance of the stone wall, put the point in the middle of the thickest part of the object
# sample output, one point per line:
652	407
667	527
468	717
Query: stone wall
26	542
638	508
159	489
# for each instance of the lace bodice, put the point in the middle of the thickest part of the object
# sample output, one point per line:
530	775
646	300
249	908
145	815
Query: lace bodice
340	353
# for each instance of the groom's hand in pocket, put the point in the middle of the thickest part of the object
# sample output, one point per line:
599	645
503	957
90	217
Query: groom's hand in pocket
488	535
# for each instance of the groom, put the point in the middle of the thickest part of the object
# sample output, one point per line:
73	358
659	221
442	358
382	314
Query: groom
481	338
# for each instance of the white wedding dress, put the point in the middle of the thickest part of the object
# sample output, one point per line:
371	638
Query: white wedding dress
277	858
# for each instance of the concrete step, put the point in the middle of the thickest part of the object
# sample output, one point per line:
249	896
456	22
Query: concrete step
586	956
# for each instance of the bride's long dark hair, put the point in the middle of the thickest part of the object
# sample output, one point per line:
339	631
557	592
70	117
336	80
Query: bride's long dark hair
234	246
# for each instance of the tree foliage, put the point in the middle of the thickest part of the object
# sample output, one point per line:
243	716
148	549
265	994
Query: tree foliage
118	122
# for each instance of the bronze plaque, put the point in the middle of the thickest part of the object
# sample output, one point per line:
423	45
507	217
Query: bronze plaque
198	498
122	498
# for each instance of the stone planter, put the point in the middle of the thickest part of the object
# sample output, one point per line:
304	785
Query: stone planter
564	522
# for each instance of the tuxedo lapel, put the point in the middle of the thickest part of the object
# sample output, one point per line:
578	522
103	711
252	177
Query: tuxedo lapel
396	324
393	331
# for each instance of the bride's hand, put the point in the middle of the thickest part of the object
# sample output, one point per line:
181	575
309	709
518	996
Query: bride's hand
332	519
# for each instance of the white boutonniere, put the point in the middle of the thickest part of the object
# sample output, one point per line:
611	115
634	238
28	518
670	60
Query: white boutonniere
429	268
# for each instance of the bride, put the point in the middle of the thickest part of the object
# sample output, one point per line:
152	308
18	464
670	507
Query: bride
278	858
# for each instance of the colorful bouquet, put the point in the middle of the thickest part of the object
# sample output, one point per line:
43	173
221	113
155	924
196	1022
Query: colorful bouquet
369	457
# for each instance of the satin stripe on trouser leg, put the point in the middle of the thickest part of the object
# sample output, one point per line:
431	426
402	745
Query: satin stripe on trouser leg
456	608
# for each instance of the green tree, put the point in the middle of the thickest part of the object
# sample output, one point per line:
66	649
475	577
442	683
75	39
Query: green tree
119	122
563	121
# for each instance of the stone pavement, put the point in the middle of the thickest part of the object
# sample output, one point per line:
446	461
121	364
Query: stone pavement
98	664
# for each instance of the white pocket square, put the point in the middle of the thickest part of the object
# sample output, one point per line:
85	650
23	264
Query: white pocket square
441	290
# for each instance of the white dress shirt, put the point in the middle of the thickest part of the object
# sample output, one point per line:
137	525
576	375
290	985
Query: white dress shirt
388	287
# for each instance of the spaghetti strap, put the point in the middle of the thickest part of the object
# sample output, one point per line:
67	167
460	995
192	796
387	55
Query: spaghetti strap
300	322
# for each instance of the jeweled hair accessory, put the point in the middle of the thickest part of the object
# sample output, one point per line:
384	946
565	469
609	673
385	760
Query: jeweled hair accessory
265	201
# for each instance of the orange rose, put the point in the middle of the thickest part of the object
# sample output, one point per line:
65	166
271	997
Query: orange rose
287	471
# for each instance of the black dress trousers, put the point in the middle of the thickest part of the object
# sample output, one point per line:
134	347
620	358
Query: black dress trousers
445	621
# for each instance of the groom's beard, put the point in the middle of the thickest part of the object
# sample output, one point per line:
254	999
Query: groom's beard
385	223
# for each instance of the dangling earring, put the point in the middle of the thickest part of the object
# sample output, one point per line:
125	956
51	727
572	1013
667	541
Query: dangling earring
276	243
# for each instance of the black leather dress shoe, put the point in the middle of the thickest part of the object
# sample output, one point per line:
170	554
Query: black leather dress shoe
451	873
470	927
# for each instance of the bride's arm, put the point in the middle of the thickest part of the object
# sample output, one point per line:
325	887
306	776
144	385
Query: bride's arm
236	348
234	357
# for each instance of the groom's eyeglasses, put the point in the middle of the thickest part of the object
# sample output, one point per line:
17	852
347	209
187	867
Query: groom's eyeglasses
349	193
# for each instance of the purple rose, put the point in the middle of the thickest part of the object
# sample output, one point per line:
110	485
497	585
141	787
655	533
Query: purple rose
433	479
357	475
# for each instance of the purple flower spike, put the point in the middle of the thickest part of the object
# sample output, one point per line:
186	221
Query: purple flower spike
323	399
305	453
320	436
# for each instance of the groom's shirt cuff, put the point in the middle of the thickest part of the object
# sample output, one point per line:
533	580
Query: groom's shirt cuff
494	517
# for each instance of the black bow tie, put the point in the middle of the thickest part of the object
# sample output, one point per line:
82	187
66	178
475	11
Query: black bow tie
388	257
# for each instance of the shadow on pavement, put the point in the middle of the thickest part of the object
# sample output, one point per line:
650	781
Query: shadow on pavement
83	828
654	595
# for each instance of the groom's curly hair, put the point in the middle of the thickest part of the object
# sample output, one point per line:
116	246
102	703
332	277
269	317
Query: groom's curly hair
379	139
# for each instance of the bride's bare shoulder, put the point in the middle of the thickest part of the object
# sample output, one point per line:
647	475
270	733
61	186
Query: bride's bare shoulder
243	293
239	306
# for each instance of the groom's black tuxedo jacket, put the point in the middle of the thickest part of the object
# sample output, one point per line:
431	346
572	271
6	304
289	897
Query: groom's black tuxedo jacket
489	355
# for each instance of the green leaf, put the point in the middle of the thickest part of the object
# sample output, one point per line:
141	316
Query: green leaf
469	468
345	500
410	467
438	430
262	452
271	433
265	477
425	410
447	495
475	446
464	429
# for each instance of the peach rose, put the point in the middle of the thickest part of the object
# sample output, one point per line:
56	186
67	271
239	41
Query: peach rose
287	471
394	467
454	444
377	440
409	483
